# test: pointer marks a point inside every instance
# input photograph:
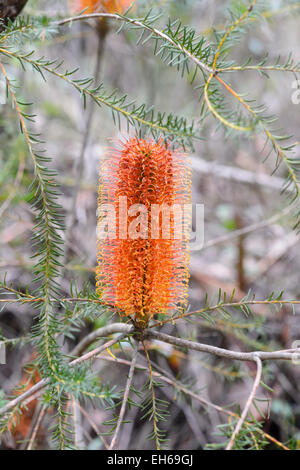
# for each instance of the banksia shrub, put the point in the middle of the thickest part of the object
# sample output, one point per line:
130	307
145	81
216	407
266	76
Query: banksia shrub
144	193
143	223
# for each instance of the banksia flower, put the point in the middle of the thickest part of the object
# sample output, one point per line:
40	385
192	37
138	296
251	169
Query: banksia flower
143	211
100	6
104	6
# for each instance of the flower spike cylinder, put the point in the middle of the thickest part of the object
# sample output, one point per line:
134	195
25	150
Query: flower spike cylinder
143	221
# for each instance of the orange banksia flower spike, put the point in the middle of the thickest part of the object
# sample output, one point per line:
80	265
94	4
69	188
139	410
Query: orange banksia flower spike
143	220
100	6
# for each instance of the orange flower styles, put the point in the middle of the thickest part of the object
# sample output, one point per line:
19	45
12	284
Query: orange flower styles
104	6
144	193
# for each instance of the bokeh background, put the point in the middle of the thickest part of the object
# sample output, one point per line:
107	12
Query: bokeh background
229	177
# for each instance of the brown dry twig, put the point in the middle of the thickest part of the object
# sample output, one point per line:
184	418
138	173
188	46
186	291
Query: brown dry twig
125	399
248	404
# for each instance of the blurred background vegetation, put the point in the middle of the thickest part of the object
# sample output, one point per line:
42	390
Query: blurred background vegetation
229	178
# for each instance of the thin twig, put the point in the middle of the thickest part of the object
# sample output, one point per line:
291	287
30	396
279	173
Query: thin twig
287	354
98	350
225	305
100	333
36	427
177	385
78	434
248	229
154	405
155	31
93	425
236	174
35	388
229	30
248	403
125	398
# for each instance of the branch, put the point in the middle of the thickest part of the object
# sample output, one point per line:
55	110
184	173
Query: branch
227	237
177	385
248	404
35	430
101	333
256	116
230	30
120	327
222	305
142	25
236	174
93	426
125	329
125	398
287	354
264	14
154	409
141	115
